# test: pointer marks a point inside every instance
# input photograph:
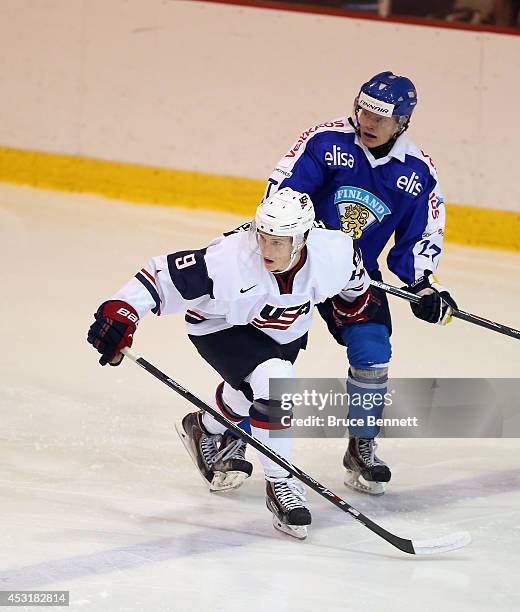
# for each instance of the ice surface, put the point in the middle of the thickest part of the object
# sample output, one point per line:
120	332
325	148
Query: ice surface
97	494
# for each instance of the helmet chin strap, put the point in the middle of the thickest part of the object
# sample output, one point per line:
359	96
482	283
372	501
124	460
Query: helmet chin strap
298	242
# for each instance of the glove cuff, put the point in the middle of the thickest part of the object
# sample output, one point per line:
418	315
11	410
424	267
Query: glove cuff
436	305
118	310
358	311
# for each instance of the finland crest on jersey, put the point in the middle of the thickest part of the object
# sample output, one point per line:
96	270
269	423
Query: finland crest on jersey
358	209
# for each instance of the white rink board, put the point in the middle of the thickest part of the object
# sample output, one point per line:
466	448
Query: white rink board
99	497
226	89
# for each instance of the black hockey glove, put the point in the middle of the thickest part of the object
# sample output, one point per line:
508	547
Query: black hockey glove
436	304
361	310
113	329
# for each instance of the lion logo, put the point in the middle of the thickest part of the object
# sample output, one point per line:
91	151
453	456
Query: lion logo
354	219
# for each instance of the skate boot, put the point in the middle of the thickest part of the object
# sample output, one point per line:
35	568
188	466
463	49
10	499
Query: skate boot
285	498
230	466
365	471
219	459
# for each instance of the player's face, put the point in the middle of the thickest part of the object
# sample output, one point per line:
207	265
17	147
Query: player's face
375	130
275	250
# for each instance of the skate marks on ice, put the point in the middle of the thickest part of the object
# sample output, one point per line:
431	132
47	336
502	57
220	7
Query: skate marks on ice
120	559
417	498
207	540
225	523
199	537
244	532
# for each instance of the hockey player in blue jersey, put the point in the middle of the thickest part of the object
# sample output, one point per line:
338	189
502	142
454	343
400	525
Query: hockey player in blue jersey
368	179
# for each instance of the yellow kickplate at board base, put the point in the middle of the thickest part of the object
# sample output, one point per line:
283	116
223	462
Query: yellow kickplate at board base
466	225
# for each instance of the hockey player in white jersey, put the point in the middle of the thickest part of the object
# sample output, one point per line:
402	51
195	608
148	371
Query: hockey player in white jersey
248	300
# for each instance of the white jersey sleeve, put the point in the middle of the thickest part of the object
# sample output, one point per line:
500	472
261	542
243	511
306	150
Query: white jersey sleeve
419	236
338	264
359	280
169	283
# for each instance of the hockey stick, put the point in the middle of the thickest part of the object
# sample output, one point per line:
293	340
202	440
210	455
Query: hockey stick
459	314
417	547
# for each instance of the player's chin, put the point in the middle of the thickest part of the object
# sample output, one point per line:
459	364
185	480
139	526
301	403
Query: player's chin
270	264
370	140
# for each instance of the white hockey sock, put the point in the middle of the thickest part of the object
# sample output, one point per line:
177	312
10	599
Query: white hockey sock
233	400
212	425
282	446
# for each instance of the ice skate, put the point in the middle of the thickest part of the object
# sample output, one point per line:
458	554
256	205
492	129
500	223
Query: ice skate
364	471
285	498
220	459
230	466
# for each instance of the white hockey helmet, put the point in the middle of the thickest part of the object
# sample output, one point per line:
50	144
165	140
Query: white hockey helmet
285	213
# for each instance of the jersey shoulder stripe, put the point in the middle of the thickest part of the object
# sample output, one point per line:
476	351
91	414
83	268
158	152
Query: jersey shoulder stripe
295	152
414	151
146	279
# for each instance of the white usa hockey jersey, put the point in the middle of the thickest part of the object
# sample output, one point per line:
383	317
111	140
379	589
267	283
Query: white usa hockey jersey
227	284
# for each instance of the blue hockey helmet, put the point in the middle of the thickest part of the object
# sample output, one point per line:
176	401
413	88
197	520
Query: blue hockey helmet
388	94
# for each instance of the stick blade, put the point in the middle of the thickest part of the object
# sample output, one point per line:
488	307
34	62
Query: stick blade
444	544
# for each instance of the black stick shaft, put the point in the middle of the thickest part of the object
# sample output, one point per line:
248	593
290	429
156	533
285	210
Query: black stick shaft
400	543
459	314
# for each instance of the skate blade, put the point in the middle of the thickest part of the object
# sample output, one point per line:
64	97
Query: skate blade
355	481
227	481
295	531
186	442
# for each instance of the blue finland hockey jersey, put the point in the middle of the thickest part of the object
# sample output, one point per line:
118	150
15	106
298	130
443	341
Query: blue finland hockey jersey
369	198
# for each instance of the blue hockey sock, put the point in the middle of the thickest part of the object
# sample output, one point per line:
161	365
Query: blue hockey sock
366	390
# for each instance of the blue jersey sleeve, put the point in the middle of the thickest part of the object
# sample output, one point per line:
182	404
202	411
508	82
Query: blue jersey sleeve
419	236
